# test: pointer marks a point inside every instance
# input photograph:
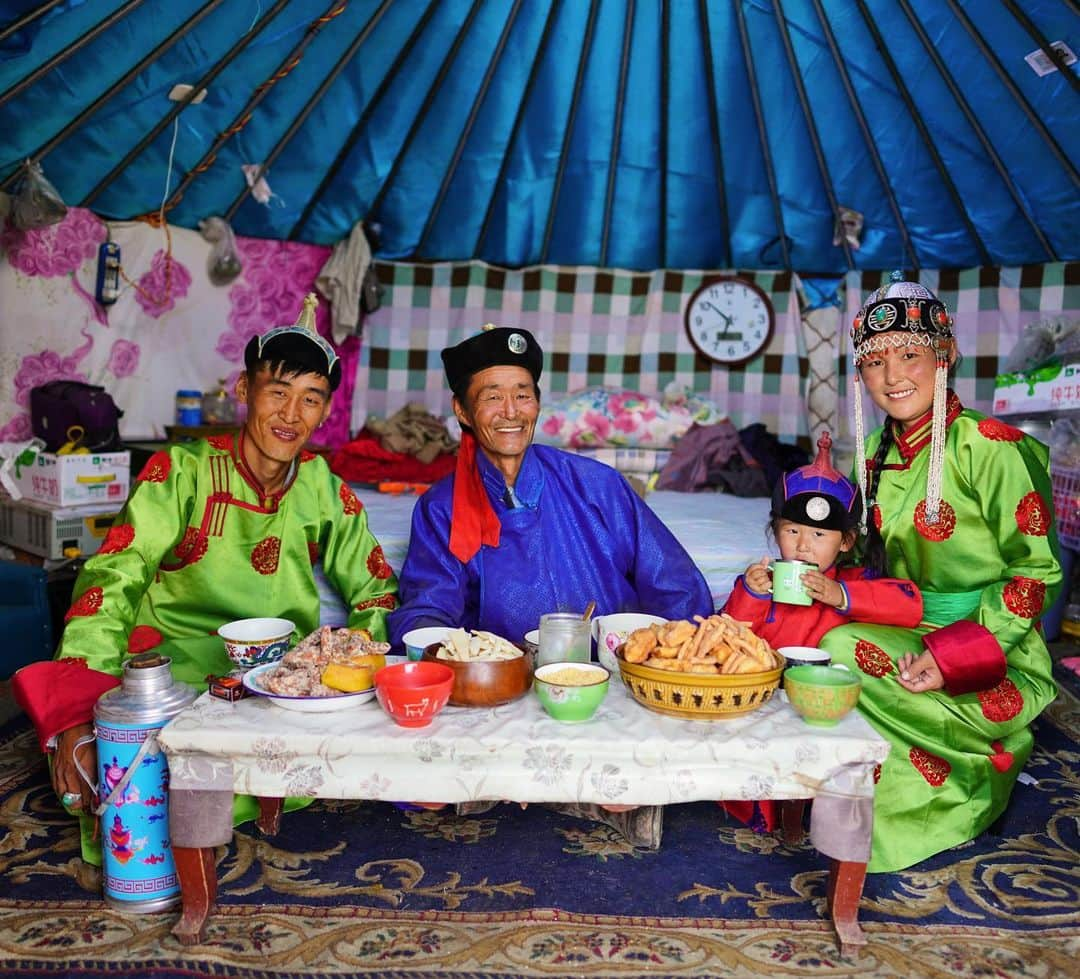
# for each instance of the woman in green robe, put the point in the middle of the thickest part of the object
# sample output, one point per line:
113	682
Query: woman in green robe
962	505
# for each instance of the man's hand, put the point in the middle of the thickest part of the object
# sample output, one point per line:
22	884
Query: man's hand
823	589
919	673
758	577
65	776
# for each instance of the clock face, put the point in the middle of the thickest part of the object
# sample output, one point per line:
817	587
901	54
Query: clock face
729	320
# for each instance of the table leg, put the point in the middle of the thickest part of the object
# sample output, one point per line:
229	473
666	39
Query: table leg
845	891
269	821
791	820
197	872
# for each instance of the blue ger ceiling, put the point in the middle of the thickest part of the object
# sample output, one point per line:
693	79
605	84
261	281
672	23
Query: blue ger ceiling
648	134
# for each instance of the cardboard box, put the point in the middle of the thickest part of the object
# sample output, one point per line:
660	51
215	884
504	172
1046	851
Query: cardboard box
75	480
49	531
1051	388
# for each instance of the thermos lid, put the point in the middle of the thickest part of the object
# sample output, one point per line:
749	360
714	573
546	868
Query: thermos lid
147	694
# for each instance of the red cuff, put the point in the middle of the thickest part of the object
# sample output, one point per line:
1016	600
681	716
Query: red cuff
968	655
59	694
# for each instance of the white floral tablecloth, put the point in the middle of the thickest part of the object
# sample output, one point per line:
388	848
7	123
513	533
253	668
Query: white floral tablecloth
625	754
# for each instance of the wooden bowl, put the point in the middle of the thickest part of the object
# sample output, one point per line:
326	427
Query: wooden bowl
485	682
699	696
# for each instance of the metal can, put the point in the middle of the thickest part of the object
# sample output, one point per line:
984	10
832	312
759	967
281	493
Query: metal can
138	868
189	407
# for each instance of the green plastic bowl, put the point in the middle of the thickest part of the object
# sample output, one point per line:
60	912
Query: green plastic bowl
571	703
821	694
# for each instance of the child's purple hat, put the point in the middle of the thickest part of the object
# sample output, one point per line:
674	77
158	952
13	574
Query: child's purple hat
817	495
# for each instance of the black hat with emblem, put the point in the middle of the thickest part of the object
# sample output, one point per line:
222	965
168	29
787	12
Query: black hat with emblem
495	346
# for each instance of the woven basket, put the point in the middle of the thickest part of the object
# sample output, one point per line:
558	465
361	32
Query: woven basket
700	696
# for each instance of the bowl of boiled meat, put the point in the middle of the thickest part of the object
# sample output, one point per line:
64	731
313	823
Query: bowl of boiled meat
488	670
330	669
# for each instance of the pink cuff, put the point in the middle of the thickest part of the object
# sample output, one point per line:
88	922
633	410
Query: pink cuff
968	655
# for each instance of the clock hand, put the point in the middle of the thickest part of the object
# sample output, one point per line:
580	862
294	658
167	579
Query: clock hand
719	312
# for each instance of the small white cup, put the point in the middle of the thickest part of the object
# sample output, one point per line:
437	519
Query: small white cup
417	640
610	632
804	655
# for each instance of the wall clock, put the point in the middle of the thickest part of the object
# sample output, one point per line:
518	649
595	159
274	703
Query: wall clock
729	320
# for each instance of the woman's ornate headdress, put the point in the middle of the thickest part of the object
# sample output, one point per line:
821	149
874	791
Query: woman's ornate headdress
905	314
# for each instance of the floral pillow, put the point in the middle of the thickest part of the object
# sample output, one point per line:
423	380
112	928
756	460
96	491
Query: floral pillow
616	417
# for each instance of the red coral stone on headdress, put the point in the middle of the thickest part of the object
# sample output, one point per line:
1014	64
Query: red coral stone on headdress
383	601
1024	596
192	546
1001	703
872	660
998	431
932	768
376	564
88	603
156	469
1033	515
313	550
142	638
222	442
1001	759
117	539
351	505
264	557
943	529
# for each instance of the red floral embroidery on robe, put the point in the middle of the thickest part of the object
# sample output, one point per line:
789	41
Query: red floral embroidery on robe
932	768
997	431
876	516
306	456
118	538
943	529
264	558
156	469
351	505
1001	703
142	638
1001	759
88	603
222	442
313	550
191	547
1033	515
1024	596
377	566
383	601
871	659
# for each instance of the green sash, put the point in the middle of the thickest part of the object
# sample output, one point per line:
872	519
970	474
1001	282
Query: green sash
944	608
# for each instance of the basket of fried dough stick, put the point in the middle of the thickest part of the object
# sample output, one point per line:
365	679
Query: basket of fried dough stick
709	668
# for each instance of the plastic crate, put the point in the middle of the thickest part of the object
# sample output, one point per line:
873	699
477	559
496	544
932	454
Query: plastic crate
1066	484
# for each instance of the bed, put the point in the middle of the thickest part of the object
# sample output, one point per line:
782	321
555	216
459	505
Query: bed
722	533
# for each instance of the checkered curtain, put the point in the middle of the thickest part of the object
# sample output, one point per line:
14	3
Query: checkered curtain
598	327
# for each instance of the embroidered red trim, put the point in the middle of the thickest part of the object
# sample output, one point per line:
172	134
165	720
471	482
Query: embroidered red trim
932	768
88	603
264	557
376	564
222	442
156	469
118	538
940	531
383	601
872	660
1033	515
996	430
1001	703
1024	596
192	546
350	504
142	638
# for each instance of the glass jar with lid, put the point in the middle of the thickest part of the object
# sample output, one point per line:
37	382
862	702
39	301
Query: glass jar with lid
218	406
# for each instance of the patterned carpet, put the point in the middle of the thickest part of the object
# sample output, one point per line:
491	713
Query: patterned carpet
363	888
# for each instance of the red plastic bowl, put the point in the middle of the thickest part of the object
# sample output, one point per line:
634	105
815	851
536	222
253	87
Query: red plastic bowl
413	693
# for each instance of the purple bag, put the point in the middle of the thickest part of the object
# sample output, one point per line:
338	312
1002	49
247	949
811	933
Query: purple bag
58	406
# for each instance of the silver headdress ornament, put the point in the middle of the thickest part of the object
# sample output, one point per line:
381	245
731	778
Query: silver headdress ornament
305	327
904	314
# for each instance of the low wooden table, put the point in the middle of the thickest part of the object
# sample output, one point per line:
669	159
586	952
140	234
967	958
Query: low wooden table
626	755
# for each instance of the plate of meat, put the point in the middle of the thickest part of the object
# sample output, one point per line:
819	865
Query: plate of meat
329	670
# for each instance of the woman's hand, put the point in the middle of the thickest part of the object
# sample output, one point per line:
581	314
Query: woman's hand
758	577
822	588
919	673
70	786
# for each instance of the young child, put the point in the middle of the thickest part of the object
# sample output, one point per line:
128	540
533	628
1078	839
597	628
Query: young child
815	519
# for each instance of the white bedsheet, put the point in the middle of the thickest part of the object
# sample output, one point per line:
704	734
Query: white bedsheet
721	533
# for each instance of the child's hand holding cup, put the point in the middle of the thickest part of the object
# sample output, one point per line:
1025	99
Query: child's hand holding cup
787	583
